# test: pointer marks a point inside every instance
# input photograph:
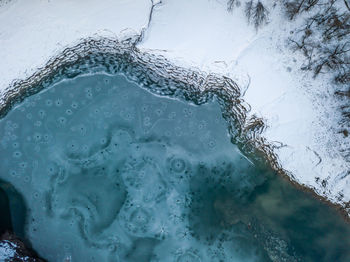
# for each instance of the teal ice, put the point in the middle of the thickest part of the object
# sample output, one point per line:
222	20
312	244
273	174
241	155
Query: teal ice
112	172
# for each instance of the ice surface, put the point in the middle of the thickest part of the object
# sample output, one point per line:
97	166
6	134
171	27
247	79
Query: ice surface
116	186
114	172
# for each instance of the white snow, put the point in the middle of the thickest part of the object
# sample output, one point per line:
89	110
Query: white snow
300	112
7	250
32	31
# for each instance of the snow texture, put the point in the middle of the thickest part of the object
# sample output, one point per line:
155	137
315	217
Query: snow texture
7	251
33	31
301	113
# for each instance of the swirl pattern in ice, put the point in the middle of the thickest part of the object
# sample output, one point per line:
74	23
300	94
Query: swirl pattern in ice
114	172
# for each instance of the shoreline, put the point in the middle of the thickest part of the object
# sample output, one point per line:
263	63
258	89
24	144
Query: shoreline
152	72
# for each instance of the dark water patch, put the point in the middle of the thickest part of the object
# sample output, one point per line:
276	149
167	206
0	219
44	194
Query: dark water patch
5	218
12	209
112	172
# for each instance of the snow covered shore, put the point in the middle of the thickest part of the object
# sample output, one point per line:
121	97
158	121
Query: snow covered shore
301	113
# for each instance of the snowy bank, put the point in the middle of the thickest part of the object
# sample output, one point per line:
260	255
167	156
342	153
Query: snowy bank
300	113
33	31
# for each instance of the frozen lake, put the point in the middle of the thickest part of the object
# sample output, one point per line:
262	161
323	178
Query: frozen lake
112	172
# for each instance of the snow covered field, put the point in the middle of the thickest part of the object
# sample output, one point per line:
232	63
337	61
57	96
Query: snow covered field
301	113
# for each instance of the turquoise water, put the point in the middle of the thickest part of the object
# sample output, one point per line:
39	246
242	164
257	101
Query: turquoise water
111	172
